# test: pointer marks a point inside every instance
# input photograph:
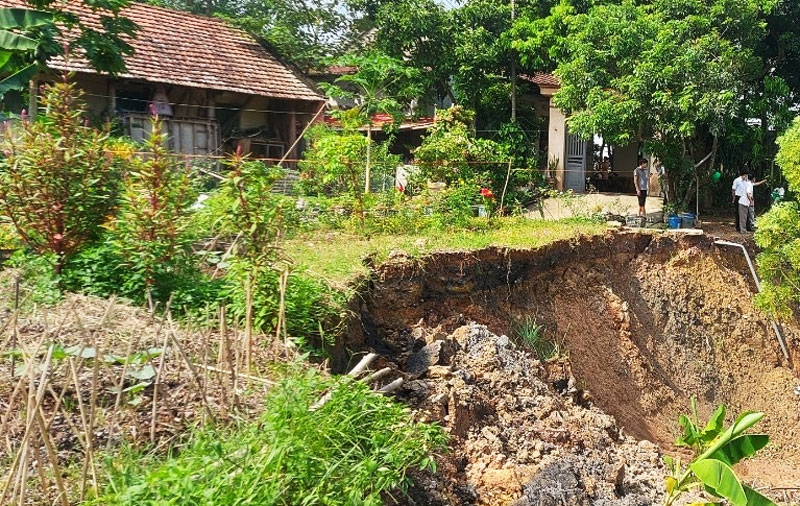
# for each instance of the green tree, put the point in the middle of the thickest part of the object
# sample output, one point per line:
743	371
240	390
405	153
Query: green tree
778	234
663	73
380	84
420	33
58	177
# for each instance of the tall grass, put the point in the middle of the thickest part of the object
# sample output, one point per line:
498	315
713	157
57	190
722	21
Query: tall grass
356	446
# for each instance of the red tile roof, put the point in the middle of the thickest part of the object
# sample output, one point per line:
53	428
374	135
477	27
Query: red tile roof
380	120
184	49
542	79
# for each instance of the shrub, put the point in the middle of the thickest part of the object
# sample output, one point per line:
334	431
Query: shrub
149	233
39	284
58	178
451	153
356	446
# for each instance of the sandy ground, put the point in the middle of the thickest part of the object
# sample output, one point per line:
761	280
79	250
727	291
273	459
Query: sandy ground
616	203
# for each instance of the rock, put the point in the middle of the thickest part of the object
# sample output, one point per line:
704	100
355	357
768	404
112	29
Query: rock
439	371
420	361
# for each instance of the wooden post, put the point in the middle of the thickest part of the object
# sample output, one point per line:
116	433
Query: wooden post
33	99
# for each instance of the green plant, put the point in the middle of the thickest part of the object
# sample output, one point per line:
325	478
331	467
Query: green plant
451	152
38	282
58	178
531	335
778	234
379	84
350	451
716	450
150	230
335	160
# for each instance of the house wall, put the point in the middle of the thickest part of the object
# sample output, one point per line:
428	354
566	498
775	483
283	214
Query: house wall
196	114
254	115
625	161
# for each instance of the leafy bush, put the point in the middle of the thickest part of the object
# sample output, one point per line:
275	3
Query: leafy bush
39	283
101	270
149	232
356	446
778	234
58	178
335	161
450	153
309	304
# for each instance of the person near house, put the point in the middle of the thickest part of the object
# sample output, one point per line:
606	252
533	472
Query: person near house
745	201
641	177
660	173
751	213
737	190
603	170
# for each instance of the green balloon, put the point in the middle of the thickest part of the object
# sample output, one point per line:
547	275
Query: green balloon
715	176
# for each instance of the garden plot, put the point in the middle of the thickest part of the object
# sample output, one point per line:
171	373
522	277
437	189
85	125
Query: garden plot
640	324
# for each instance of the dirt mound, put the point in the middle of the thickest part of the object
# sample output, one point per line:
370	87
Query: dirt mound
648	321
515	439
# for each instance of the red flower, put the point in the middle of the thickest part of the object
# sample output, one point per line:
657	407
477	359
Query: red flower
487	193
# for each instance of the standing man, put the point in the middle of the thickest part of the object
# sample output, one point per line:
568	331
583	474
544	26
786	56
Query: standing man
751	214
641	177
737	190
745	201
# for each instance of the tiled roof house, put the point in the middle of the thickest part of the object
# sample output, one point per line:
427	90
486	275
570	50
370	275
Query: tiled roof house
211	82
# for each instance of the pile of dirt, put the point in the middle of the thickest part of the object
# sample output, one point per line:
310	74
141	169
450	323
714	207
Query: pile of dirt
514	439
647	323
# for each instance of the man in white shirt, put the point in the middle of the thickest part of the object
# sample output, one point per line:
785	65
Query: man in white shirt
737	190
745	201
751	214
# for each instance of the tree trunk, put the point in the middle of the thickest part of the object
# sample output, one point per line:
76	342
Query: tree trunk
369	152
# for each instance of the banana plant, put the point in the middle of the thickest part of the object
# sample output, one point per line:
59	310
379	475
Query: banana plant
16	26
717	450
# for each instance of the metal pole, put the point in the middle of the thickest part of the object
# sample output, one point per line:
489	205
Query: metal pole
758	288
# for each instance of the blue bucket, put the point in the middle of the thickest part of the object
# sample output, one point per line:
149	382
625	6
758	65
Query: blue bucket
674	221
687	220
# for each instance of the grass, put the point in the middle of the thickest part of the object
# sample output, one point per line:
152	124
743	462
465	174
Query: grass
338	257
351	450
530	335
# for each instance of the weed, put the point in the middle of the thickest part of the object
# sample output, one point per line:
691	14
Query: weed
357	446
38	282
530	335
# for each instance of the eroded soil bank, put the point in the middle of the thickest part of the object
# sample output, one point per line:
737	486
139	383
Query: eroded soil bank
646	322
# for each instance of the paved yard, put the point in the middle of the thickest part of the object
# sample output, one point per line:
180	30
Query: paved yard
593	203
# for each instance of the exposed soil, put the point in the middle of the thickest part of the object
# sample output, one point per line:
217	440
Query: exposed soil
647	322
